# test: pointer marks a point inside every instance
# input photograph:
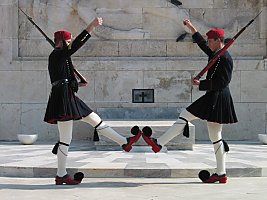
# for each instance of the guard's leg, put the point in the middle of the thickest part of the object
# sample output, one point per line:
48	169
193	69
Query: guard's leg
220	149
65	136
103	129
61	149
177	128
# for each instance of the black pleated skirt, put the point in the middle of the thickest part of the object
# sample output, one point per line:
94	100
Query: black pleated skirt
215	106
63	105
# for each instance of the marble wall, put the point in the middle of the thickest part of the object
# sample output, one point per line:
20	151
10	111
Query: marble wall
136	48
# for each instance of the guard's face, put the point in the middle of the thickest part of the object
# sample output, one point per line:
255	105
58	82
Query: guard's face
214	44
68	42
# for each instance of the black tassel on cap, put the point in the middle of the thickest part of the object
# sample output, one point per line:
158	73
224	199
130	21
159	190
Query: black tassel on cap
186	128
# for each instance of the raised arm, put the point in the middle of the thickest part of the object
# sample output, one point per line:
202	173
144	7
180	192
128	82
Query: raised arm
79	41
96	22
190	26
201	42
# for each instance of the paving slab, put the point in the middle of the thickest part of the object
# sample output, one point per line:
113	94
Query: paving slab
243	160
252	188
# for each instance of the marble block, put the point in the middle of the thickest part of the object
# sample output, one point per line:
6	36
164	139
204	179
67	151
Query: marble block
159	127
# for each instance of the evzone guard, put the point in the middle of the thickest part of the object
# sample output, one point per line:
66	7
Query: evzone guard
215	106
64	106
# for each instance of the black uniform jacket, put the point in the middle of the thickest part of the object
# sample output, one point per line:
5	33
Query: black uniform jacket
217	104
63	105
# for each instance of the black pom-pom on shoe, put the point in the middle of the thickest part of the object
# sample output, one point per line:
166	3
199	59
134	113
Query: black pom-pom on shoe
147	131
135	130
78	176
204	175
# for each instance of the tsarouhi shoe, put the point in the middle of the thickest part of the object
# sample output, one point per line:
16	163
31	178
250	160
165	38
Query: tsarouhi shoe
215	177
147	132
131	140
68	180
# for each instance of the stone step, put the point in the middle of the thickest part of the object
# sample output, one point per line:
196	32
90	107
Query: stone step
158	126
243	160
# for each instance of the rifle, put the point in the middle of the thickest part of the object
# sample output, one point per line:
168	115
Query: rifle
223	50
76	72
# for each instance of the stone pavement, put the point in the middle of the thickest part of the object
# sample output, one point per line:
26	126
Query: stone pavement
252	188
35	161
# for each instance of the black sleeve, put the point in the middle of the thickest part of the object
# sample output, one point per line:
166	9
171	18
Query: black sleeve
221	77
201	42
77	43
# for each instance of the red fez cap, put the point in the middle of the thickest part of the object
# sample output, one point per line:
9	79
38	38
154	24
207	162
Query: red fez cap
62	35
215	33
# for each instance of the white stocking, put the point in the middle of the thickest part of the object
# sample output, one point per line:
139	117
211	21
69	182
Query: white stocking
93	119
176	129
65	136
215	135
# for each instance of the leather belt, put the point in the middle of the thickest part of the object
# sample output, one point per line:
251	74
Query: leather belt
61	81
